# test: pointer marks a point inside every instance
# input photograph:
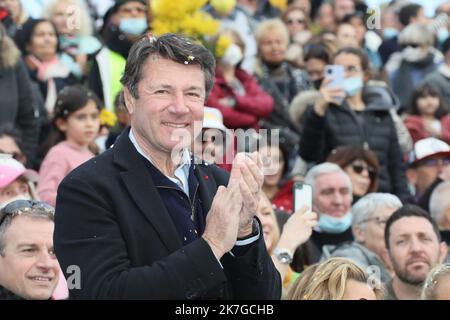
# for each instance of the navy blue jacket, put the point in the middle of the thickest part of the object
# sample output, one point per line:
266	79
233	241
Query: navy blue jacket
112	223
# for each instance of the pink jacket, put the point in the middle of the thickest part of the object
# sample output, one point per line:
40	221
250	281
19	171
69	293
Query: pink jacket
59	161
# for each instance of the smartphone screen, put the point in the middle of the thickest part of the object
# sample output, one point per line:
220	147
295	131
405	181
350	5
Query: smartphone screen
336	74
302	195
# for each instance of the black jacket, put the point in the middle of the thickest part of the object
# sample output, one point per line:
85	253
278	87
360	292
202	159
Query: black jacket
342	126
111	222
16	103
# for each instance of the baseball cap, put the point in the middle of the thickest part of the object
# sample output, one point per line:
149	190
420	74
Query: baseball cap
428	148
213	119
11	169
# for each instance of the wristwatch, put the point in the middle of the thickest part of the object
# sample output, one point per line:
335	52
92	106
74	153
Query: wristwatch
285	256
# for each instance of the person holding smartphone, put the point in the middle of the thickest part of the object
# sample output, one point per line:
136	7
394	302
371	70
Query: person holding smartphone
344	116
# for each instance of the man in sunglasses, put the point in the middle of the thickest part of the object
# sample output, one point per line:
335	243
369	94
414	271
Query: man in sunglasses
429	165
28	266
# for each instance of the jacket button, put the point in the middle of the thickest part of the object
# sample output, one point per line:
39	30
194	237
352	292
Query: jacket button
190	295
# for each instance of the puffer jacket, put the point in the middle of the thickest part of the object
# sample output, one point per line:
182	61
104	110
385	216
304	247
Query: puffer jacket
16	104
373	129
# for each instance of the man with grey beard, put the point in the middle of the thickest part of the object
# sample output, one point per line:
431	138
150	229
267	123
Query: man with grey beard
413	247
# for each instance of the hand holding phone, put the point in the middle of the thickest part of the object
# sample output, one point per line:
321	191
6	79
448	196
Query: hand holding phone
332	89
302	196
335	74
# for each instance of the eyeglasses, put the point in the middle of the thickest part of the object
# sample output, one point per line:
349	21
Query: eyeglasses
23	206
360	167
352	69
377	220
292	21
436	162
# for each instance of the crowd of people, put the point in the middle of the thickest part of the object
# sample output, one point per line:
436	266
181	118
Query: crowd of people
98	131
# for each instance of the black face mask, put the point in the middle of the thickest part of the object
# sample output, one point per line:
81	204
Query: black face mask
317	83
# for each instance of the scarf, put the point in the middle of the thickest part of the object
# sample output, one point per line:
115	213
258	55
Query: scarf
46	72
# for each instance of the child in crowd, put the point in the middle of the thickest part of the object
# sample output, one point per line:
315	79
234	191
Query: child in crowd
428	115
75	126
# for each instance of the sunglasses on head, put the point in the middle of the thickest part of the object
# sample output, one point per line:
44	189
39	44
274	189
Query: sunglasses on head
359	168
23	206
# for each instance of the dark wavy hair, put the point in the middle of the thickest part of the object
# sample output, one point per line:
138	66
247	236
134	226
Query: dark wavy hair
426	90
345	155
23	37
365	64
70	99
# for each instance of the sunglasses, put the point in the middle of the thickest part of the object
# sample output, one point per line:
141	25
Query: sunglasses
23	206
378	221
292	21
359	168
412	45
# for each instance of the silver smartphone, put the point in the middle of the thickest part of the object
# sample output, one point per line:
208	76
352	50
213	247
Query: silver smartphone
302	195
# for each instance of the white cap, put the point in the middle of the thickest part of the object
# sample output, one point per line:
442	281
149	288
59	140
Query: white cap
427	148
213	119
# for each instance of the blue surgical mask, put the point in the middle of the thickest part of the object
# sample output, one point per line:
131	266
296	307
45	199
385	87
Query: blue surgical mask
352	85
133	26
334	225
389	33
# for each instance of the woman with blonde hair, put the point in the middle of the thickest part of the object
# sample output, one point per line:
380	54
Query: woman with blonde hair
75	29
437	284
335	279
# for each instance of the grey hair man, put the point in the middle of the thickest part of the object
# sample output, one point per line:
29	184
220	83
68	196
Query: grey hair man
141	224
28	265
370	214
332	200
440	211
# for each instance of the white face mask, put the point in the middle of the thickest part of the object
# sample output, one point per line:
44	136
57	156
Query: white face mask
18	197
413	54
232	56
